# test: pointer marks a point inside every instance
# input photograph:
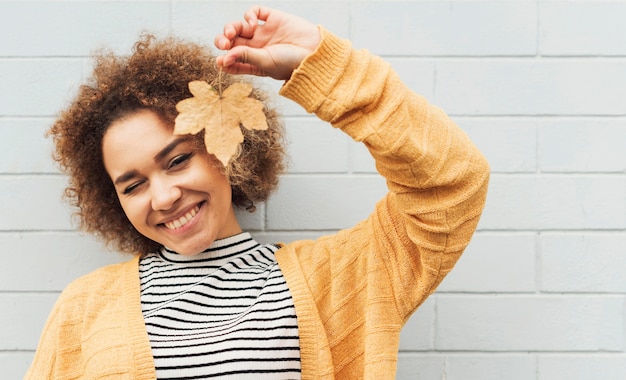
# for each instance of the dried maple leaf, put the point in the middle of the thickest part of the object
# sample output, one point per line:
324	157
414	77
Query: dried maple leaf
219	116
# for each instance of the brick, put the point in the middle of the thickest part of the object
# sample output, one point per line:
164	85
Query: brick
314	147
420	366
22	318
555	202
15	364
215	14
50	260
316	202
530	323
417	334
595	146
361	161
531	87
538	86
446	28
490	367
37	87
582	28
462	366
505	261
509	144
25	148
416	74
582	367
75	28
36	203
285	107
583	262
250	221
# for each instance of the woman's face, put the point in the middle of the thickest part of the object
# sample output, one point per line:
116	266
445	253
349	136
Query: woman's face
171	192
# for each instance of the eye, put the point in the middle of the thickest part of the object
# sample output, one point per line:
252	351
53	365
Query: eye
129	189
179	160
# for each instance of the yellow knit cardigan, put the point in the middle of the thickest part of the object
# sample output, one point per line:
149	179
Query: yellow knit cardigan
353	291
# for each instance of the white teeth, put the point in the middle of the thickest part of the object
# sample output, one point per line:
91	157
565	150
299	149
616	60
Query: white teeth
178	223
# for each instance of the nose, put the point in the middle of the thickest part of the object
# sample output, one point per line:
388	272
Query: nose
163	194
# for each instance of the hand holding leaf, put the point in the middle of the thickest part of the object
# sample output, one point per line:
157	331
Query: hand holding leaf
220	115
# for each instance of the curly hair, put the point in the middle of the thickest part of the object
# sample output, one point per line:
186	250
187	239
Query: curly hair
154	77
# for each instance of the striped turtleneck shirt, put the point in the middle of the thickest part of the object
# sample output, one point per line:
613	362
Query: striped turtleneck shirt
224	313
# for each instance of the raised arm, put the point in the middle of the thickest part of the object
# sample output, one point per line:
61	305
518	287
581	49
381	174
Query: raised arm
437	178
354	290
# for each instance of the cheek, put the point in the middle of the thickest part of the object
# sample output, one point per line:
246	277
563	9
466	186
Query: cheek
223	187
132	210
215	179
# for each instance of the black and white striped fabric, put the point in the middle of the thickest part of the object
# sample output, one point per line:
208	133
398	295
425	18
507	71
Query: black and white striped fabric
225	313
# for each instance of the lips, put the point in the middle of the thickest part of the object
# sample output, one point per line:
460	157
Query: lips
180	222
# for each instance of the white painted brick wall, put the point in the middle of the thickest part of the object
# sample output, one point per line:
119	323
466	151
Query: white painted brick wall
539	85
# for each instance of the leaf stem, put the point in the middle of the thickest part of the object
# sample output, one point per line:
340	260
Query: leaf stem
219	83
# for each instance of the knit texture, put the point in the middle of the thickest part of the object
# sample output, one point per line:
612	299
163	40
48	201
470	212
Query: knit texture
96	330
352	291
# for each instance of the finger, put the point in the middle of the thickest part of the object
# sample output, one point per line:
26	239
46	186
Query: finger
258	13
221	42
238	54
238	29
242	55
251	16
233	67
234	34
247	27
224	41
232	29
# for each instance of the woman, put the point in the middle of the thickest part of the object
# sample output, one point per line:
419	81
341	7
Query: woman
201	298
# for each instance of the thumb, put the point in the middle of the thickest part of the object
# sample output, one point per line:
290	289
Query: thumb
247	55
242	60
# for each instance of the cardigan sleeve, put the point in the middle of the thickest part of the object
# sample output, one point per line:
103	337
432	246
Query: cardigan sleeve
437	179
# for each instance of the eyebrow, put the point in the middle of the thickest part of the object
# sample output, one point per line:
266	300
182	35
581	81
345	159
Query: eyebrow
169	148
125	177
158	157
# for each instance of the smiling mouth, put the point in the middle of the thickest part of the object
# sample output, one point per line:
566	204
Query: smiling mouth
180	222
